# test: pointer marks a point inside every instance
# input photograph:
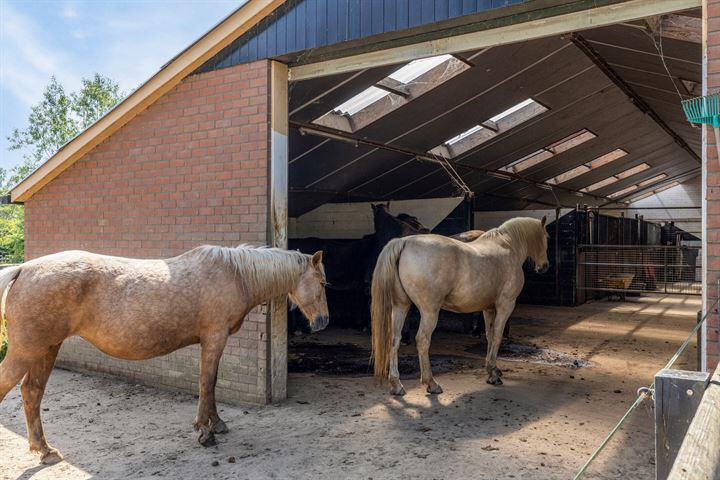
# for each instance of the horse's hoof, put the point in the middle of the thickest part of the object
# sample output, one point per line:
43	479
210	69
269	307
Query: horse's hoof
436	390
51	457
220	427
494	381
207	440
398	392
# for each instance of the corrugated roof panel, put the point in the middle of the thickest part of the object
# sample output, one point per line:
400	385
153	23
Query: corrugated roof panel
302	24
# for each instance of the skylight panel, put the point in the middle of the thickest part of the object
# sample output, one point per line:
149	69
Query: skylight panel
654	192
389	93
624	191
416	68
587	167
571	141
642	197
513	109
360	101
515	115
528	161
600	184
482	132
666	187
652	180
617	177
550	151
607	158
464	134
633	171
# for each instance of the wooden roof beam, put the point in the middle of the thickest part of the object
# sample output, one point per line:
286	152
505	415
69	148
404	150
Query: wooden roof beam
676	27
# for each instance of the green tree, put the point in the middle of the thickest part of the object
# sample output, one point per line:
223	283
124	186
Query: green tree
53	122
58	118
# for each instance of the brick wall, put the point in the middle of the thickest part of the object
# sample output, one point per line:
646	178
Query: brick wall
711	176
192	169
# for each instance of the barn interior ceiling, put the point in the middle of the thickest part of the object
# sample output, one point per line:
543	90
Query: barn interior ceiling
589	118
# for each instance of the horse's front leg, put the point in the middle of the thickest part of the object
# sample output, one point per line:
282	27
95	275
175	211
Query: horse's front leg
212	347
502	313
216	423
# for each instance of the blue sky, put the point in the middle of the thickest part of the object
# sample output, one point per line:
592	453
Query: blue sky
127	41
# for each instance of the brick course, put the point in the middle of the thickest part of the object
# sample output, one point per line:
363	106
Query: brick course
712	233
192	169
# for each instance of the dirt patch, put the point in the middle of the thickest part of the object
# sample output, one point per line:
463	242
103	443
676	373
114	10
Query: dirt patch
352	360
516	352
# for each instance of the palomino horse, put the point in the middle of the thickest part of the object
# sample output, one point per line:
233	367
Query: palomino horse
435	272
139	309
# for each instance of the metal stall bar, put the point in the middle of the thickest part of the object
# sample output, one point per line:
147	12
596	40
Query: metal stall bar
623	269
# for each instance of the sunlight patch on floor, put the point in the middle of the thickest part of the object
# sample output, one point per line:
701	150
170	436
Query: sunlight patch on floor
17	444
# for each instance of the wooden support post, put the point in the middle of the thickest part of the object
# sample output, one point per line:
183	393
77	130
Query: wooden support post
277	355
699	455
677	396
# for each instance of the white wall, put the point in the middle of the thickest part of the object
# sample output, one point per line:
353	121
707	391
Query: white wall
686	194
488	220
354	220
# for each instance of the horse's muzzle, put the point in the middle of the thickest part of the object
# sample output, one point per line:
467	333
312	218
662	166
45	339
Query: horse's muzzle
321	321
542	268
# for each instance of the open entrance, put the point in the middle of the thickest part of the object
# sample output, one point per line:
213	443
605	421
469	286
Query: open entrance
585	129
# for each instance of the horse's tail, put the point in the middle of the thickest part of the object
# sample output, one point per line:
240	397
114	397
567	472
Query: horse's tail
7	276
384	280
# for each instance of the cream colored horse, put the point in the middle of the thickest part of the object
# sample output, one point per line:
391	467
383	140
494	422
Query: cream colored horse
139	309
435	272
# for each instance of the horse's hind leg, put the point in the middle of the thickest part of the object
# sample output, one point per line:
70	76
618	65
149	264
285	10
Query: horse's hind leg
398	319
502	313
33	388
428	322
12	370
211	350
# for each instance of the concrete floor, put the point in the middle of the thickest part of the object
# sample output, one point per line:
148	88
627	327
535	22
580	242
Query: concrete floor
542	423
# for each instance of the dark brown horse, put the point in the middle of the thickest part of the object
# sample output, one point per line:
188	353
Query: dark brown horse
350	263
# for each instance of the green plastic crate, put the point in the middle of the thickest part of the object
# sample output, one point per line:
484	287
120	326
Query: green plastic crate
704	110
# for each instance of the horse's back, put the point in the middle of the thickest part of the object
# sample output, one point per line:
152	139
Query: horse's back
464	277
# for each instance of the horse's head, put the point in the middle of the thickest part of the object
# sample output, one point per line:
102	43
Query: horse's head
537	250
309	293
411	225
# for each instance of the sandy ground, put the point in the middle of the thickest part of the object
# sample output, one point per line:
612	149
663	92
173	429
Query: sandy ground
542	423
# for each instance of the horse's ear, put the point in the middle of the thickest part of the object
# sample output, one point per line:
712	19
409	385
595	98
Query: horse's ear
544	219
317	258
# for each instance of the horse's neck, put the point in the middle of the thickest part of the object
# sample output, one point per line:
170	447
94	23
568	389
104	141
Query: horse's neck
272	287
517	247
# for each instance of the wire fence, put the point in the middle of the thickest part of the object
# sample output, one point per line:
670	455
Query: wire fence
624	269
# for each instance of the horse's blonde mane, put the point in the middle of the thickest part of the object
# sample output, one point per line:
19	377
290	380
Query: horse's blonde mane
274	269
520	231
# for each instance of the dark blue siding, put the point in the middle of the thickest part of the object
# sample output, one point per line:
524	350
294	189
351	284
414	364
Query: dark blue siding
304	24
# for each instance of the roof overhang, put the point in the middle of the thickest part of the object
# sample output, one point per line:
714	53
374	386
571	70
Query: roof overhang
237	23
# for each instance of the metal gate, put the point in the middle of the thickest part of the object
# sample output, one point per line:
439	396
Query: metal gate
640	268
